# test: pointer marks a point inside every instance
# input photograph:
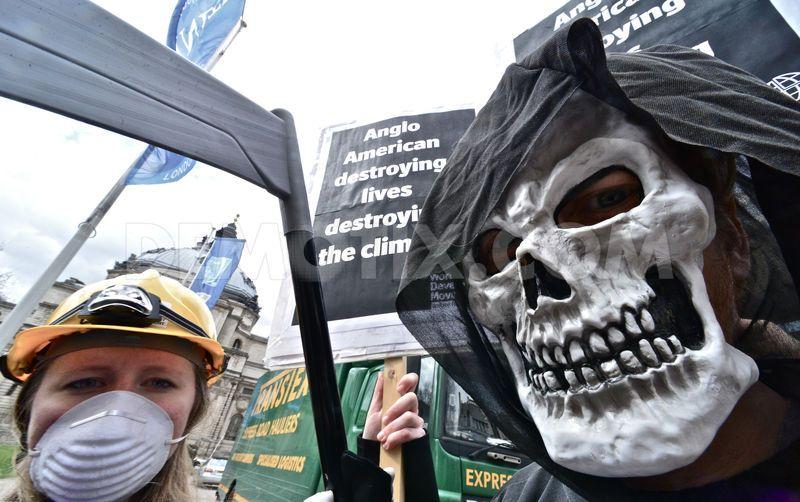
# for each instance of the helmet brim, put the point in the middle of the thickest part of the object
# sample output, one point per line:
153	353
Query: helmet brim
33	340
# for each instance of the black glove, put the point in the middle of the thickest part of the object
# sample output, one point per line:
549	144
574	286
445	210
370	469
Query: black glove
364	480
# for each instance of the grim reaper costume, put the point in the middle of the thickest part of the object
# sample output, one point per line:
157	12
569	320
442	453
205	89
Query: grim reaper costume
594	346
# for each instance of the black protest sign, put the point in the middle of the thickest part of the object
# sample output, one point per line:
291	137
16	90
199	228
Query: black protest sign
375	183
749	34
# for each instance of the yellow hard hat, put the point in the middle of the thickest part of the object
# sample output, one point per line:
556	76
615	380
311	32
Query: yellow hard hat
146	303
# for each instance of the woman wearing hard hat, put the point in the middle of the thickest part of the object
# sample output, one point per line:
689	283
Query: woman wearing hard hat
111	386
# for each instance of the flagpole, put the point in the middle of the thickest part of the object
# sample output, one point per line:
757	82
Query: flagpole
201	253
16	318
225	44
210	240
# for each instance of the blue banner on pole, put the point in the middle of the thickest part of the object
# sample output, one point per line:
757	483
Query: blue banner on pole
197	30
217	269
156	166
199	27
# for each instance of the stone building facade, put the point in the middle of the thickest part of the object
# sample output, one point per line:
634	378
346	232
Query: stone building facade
9	389
234	315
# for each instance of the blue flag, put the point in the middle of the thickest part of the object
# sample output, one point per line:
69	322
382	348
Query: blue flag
217	269
199	27
197	31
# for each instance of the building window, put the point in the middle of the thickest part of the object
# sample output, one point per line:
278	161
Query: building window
237	344
247	391
233	427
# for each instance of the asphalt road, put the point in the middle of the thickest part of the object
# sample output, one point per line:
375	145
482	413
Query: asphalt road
206	495
6	485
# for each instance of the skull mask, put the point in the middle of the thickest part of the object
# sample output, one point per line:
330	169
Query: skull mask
607	325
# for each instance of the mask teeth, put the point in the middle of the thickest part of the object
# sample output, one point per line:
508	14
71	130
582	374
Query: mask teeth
530	366
547	358
627	347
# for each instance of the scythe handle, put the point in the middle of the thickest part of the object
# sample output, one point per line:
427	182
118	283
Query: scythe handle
322	386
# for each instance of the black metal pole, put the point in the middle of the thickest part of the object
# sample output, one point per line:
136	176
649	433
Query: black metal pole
331	439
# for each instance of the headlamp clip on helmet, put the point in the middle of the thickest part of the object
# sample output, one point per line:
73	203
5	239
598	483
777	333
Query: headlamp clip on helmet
122	304
127	305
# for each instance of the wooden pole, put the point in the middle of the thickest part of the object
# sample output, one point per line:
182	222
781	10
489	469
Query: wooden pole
393	370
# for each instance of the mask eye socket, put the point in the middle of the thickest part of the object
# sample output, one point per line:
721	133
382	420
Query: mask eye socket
495	249
612	191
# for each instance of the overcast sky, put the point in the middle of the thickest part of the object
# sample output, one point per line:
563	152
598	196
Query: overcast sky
332	63
328	63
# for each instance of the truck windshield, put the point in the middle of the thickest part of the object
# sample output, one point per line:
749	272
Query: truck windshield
465	420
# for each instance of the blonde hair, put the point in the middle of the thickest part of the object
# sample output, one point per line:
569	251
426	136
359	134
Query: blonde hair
173	482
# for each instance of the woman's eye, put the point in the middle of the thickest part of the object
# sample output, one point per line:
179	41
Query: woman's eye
612	191
495	249
85	384
160	383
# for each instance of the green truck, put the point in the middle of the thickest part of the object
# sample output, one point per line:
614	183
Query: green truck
275	455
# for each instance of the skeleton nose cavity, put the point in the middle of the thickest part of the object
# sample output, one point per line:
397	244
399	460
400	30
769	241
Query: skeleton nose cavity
538	280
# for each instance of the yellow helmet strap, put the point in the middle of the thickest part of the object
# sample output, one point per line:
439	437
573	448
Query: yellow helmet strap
110	338
127	305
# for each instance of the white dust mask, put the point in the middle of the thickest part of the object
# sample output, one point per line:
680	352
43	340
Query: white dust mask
104	449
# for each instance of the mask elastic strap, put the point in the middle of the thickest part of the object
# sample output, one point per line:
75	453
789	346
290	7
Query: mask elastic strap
176	440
